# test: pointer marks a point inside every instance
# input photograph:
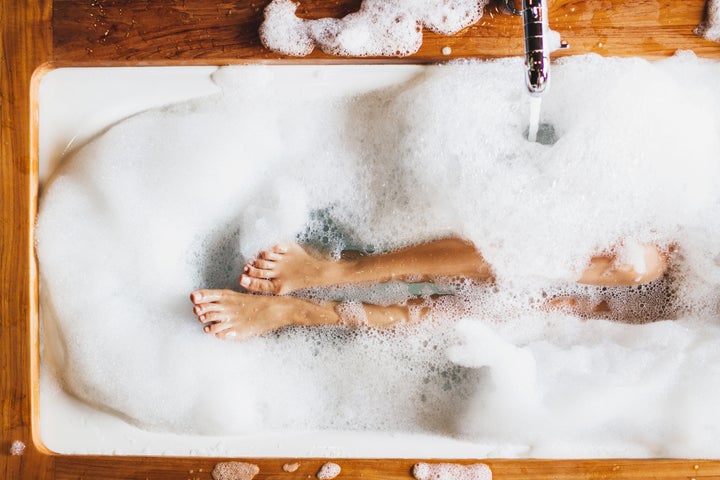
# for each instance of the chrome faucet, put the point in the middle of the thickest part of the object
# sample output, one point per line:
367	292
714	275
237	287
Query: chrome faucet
537	48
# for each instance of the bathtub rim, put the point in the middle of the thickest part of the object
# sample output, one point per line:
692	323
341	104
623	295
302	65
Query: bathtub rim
27	37
106	466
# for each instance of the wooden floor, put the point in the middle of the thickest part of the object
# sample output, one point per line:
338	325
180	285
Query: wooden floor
39	35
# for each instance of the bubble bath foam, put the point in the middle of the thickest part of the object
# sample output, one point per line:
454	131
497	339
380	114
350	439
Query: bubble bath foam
178	197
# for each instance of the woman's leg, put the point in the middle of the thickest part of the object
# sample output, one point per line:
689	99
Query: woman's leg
226	313
606	271
230	314
286	268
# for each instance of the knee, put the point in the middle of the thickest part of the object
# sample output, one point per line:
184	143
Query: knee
612	271
656	264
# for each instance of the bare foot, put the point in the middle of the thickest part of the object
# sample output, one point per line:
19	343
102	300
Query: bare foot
285	268
230	314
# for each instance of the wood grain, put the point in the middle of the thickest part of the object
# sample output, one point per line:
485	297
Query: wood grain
26	45
141	468
38	34
178	32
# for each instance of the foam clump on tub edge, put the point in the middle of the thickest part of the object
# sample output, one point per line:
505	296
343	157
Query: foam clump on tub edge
235	471
290	467
451	471
328	471
710	28
378	28
178	198
17	448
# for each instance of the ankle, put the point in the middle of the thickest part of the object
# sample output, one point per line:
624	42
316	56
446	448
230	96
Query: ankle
334	272
313	314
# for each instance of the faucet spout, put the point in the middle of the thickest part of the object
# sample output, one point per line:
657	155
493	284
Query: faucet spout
537	53
537	43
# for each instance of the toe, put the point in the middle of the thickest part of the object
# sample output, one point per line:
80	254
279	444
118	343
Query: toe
214	317
257	284
269	255
264	264
280	248
260	273
203	308
215	328
205	296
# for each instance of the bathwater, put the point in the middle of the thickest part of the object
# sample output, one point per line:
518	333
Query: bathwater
179	197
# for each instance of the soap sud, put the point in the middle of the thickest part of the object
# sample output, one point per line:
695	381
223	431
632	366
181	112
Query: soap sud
235	471
133	222
632	254
352	314
378	28
451	471
710	28
17	448
328	471
291	467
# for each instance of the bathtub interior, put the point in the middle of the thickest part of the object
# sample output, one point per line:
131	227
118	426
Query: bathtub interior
75	106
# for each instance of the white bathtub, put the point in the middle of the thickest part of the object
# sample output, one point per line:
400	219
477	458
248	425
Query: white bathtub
75	105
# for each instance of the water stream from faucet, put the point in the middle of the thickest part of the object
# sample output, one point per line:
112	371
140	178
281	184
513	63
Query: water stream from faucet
535	104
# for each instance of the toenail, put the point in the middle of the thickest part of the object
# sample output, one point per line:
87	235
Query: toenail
245	282
202	318
246	269
207	329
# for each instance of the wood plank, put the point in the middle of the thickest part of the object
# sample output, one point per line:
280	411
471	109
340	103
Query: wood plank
191	31
141	468
25	44
141	32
